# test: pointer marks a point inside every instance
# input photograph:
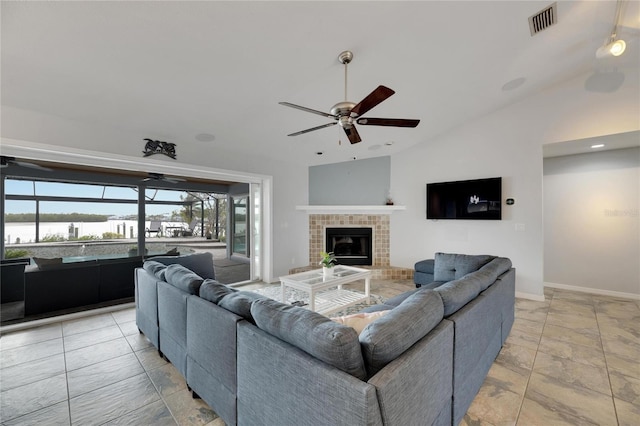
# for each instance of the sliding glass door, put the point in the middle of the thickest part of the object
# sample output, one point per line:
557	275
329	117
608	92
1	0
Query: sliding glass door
240	235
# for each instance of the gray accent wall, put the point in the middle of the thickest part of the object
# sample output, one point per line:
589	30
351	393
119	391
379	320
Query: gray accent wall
358	182
591	220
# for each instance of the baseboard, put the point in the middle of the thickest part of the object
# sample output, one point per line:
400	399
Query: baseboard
598	291
66	317
530	296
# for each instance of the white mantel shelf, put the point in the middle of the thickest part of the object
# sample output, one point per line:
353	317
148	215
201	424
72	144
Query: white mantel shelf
351	209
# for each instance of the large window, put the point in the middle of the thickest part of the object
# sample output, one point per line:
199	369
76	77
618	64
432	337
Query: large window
83	221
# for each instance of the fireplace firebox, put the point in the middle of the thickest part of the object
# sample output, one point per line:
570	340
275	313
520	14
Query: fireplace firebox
351	246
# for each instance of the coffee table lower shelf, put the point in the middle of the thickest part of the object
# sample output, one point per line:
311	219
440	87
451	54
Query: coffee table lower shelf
337	299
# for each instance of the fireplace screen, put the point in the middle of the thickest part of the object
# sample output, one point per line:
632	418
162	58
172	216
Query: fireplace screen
351	246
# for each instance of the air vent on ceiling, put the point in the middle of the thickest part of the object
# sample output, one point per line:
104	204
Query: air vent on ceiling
543	19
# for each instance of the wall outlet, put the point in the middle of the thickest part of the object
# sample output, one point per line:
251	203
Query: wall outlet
520	227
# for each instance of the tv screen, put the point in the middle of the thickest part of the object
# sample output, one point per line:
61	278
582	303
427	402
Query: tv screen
467	199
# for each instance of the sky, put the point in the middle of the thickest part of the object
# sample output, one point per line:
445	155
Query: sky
20	187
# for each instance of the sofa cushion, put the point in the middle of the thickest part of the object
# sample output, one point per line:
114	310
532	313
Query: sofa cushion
313	333
183	278
397	300
200	263
492	270
377	308
360	320
239	302
213	291
385	339
449	267
455	294
156	269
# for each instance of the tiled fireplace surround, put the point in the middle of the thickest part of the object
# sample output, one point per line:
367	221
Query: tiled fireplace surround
381	268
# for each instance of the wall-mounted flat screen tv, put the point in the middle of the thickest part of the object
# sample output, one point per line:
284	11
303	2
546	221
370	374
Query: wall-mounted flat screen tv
467	199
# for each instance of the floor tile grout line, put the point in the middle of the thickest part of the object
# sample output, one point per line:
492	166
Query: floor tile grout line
526	388
29	344
66	376
606	366
107	359
146	372
173	416
31	360
85	331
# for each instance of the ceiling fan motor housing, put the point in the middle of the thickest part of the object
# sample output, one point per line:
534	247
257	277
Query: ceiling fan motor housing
342	111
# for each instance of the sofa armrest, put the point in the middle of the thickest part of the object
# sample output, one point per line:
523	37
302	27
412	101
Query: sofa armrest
427	266
423	274
416	387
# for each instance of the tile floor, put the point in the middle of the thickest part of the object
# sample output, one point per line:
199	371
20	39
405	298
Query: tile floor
572	359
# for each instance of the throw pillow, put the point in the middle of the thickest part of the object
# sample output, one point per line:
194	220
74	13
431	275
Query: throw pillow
449	267
44	263
360	320
200	263
455	294
213	291
183	278
492	270
315	334
156	269
239	303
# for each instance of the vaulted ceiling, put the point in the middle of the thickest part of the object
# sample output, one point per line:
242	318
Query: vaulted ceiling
181	71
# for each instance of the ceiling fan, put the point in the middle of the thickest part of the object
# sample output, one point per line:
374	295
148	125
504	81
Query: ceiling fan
347	113
8	161
163	178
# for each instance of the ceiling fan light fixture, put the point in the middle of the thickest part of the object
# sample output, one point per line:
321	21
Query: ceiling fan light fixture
615	48
346	122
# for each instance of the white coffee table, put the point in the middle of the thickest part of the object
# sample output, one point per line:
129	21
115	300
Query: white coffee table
326	295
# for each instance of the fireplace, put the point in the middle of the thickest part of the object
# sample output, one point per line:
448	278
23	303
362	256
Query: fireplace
351	246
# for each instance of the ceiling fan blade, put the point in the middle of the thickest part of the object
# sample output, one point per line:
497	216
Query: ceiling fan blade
313	111
173	179
374	98
161	177
312	129
7	161
394	122
32	166
352	134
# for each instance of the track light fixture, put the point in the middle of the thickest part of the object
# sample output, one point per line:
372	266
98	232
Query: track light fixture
613	46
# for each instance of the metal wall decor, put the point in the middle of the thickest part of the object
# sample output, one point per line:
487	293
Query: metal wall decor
159	147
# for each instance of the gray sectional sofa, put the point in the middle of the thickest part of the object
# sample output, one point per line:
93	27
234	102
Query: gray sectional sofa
256	361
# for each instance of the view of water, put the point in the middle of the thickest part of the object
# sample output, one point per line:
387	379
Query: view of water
25	232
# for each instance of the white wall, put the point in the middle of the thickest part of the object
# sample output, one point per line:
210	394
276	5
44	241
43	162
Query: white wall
507	143
591	215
